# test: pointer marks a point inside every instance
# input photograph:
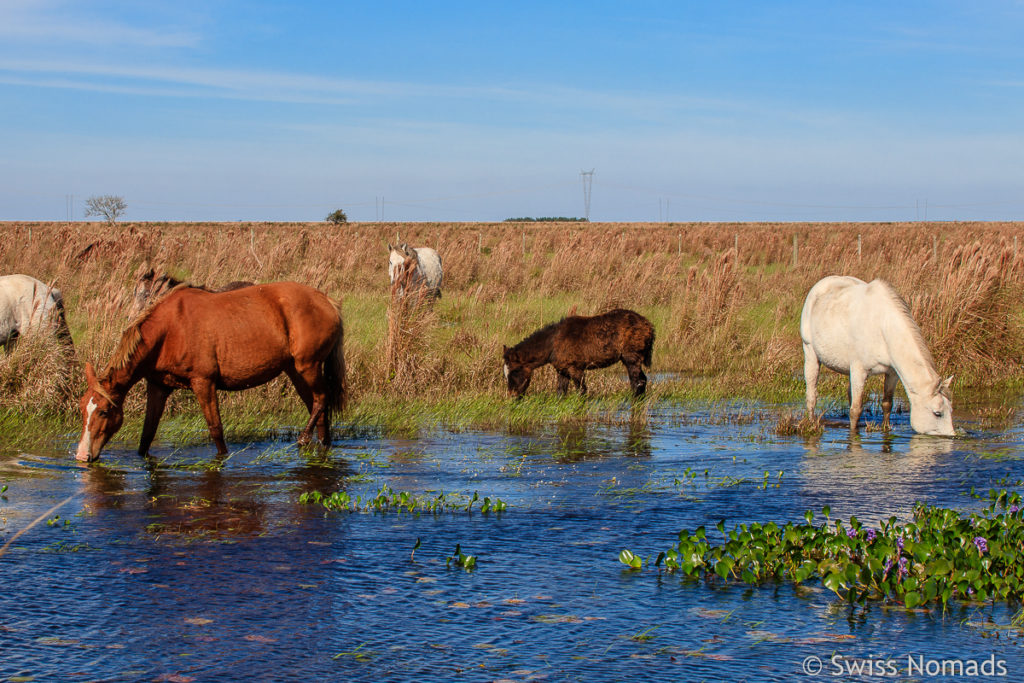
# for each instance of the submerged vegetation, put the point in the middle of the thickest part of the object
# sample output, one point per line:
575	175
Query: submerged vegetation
387	500
939	556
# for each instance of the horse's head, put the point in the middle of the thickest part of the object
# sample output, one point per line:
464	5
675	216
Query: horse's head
933	414
396	257
517	372
143	291
101	417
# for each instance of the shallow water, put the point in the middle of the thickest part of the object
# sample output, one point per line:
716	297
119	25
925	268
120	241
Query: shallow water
186	572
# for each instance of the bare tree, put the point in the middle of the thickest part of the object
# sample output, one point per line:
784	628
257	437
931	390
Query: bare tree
109	206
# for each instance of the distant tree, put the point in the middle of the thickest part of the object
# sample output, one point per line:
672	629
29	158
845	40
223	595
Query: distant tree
337	217
109	206
546	219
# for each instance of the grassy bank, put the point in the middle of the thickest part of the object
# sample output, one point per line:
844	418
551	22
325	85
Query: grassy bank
725	300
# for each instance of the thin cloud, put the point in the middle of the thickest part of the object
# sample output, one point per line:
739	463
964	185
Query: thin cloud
272	86
52	22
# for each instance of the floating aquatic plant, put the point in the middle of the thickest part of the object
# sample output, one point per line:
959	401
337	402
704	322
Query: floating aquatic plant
460	559
387	499
939	556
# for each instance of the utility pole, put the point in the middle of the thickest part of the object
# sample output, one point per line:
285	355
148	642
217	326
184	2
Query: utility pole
587	177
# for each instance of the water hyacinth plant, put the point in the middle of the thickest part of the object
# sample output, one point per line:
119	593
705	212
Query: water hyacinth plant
939	556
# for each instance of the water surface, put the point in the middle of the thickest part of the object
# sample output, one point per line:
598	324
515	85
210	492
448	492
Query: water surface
189	571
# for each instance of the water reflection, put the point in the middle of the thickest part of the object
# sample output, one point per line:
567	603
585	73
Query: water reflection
884	473
210	501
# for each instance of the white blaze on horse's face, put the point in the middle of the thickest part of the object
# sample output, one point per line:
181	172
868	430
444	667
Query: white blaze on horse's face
100	420
85	443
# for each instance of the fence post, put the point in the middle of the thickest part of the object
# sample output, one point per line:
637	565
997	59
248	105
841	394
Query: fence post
794	250
479	243
679	245
859	247
935	248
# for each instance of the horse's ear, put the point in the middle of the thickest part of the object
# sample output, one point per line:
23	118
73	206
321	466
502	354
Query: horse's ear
945	384
90	374
390	248
407	250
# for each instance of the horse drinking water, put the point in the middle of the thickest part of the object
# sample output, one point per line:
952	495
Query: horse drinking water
860	329
28	305
205	341
579	343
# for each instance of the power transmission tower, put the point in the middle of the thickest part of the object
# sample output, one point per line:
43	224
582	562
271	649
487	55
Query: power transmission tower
587	177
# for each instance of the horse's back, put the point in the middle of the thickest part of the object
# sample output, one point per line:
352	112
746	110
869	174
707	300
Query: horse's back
844	322
430	263
234	333
603	339
26	302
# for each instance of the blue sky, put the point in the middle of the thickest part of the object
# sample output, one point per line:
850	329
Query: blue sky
722	111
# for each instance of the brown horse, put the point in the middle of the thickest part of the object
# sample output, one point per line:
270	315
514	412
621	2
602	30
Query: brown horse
579	343
205	341
151	287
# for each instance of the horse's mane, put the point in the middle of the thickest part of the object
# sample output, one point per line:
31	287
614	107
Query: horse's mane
538	337
903	308
132	336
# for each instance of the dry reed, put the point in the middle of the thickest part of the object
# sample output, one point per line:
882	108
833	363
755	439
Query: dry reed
720	311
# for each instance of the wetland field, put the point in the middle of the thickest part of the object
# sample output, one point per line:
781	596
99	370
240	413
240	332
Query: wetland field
454	534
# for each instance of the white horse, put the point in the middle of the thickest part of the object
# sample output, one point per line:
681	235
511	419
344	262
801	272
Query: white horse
861	329
28	305
427	272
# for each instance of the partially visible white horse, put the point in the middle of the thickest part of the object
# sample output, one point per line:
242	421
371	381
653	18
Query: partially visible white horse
427	272
861	329
28	305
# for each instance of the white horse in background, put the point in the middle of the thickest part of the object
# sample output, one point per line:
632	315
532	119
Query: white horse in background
860	329
27	306
425	272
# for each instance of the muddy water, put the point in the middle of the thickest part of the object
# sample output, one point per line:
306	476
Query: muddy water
185	571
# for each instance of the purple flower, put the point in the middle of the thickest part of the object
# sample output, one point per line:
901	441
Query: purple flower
870	533
899	543
981	544
903	566
888	566
851	533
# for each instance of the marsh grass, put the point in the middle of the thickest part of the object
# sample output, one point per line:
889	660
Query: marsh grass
726	318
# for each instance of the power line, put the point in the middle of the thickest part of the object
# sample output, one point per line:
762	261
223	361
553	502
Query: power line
587	177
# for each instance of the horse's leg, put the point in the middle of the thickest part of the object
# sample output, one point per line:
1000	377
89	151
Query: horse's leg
887	391
156	399
858	377
576	374
206	393
637	378
811	368
310	385
563	382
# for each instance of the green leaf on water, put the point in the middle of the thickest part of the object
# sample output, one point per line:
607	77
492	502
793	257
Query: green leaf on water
630	560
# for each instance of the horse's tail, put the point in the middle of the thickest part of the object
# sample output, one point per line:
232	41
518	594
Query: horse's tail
63	331
334	369
648	345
